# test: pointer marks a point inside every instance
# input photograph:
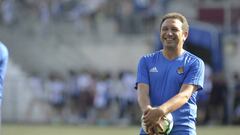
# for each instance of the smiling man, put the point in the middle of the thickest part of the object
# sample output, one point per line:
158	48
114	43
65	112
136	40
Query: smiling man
168	80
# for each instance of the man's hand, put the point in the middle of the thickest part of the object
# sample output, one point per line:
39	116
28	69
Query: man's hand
151	117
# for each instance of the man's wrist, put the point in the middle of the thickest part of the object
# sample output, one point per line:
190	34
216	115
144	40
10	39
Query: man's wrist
162	111
146	108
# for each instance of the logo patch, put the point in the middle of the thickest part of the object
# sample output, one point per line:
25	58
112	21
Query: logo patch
180	70
154	69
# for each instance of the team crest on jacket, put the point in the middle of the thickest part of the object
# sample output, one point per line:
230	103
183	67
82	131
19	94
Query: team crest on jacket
180	70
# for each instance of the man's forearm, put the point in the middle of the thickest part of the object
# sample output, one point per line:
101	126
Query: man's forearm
178	100
173	104
143	96
143	102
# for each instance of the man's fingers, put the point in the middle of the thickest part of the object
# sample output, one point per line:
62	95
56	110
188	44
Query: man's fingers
147	110
146	118
150	129
148	123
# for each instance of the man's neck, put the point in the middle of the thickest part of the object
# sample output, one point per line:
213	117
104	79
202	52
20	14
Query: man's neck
172	54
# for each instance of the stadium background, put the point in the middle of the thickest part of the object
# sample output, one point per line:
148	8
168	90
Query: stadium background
97	43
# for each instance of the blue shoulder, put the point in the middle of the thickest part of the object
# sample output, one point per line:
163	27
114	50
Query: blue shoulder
191	58
151	55
3	50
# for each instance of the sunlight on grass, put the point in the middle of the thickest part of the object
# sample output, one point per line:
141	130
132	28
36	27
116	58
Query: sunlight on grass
20	129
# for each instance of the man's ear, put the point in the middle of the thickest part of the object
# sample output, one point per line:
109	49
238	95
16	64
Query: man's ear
185	35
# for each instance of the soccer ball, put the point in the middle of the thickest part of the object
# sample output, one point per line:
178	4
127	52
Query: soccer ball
164	126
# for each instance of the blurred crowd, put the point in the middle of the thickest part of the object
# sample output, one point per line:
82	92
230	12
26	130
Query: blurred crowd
86	97
131	16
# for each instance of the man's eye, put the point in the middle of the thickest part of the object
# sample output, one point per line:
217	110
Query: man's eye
164	29
174	29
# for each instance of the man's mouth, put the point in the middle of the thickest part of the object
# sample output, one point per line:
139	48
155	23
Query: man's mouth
169	38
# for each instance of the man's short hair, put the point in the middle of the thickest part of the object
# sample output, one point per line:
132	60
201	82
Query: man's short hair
175	15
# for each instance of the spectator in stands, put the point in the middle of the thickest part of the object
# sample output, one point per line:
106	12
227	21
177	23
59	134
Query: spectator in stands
237	98
86	85
55	88
204	95
93	7
3	68
7	8
101	99
39	97
216	111
127	95
72	96
124	17
44	15
150	15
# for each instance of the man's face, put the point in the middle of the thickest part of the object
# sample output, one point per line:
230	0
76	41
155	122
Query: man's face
172	34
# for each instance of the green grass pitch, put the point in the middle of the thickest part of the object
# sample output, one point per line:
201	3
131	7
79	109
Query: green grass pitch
21	129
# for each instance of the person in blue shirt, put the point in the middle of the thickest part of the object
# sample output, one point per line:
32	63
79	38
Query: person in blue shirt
168	80
3	68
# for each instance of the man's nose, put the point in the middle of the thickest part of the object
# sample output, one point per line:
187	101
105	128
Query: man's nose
169	32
